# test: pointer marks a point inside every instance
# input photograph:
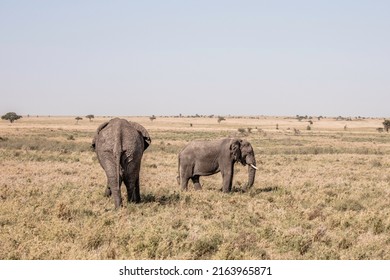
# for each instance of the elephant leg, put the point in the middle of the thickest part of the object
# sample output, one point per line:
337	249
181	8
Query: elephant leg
195	181
227	179
109	165
137	195
115	191
184	183
108	191
185	175
133	192
131	179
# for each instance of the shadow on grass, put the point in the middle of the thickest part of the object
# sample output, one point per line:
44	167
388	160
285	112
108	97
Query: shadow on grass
162	200
254	190
268	189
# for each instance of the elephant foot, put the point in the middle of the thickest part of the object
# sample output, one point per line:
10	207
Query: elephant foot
134	199
137	200
118	207
118	204
195	181
247	187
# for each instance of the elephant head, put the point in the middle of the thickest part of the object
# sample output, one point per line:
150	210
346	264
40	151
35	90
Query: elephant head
242	151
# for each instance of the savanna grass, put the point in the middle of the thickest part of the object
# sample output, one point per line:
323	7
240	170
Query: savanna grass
319	194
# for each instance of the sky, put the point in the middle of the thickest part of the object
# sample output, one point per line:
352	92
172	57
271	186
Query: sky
141	58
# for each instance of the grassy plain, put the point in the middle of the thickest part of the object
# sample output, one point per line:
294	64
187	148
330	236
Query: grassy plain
322	193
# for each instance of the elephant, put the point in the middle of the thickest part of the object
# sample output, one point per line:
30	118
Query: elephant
119	145
204	158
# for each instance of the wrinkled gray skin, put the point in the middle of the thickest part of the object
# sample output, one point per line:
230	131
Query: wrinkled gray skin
119	145
204	158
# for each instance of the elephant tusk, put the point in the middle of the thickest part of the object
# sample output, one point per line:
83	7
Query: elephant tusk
254	167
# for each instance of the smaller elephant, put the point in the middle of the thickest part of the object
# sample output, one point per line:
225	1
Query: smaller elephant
204	158
119	145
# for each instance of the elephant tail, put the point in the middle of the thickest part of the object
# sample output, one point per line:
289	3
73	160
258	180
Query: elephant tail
117	157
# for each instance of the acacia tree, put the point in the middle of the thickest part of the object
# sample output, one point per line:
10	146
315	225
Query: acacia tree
78	119
221	119
11	117
386	125
90	117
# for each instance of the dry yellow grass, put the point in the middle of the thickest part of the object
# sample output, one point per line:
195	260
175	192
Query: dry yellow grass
322	193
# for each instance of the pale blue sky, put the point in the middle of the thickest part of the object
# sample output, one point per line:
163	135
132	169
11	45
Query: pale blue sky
195	57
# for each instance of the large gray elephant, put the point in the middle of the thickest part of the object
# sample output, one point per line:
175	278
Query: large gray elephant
203	158
119	145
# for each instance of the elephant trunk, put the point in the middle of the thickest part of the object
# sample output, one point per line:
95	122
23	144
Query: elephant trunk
251	173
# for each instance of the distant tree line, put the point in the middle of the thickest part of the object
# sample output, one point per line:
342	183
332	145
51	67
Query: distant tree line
12	116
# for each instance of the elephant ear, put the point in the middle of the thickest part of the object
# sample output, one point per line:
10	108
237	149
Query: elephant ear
143	132
235	149
103	125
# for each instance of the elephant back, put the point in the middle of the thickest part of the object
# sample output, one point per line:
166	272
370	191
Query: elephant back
119	130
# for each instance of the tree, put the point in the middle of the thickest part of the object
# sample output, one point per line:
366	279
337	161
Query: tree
11	117
78	119
90	117
221	119
386	125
